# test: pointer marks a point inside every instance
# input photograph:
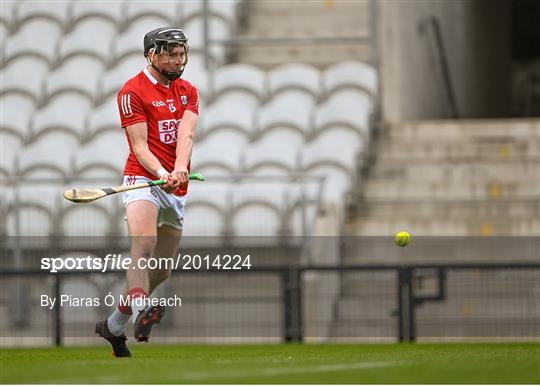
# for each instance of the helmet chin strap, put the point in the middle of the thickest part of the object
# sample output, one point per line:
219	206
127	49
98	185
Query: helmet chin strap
169	75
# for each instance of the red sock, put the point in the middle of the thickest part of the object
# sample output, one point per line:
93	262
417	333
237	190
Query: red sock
135	293
124	307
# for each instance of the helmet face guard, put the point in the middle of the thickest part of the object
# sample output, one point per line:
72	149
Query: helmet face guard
165	40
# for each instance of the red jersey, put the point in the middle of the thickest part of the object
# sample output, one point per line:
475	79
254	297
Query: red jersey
143	99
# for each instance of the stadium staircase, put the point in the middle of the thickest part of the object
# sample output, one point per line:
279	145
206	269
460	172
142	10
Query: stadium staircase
293	19
453	178
465	179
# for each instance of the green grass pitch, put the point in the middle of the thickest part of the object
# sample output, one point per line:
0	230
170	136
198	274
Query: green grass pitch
284	363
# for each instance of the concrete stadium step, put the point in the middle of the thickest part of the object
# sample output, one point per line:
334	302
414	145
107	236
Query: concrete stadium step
482	170
527	207
447	227
466	130
440	248
267	58
451	189
497	148
305	19
291	18
307	24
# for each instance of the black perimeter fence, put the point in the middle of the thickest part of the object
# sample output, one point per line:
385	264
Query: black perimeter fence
396	302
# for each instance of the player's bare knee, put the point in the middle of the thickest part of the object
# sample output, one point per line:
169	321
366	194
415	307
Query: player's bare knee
145	246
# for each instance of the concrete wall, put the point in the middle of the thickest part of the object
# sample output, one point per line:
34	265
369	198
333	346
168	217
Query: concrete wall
476	35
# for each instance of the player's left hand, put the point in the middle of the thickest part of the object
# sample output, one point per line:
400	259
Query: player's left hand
181	174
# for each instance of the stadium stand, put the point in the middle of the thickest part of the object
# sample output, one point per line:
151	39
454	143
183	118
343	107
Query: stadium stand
168	11
208	211
240	77
35	159
104	156
275	152
349	74
64	112
294	76
27	10
24	41
290	109
17	115
111	11
103	118
81	40
66	78
10	146
289	113
33	70
112	80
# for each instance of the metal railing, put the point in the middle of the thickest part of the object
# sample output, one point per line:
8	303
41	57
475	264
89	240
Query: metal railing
401	294
431	29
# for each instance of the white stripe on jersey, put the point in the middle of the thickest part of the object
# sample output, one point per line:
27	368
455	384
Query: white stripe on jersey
129	104
124	104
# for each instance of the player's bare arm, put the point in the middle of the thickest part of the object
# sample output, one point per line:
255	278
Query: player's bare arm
184	146
138	136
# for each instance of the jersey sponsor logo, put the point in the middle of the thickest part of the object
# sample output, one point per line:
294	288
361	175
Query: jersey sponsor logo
168	129
183	99
125	104
158	103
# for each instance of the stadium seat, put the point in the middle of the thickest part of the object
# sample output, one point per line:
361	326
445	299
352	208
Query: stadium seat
228	114
43	194
217	29
130	41
103	118
333	155
66	111
67	78
109	10
243	77
24	75
294	76
82	39
348	109
303	196
167	10
92	219
277	151
290	109
224	9
8	16
125	69
57	11
212	154
339	148
33	220
104	156
350	75
16	116
50	156
206	211
29	41
196	74
257	211
10	146
35	205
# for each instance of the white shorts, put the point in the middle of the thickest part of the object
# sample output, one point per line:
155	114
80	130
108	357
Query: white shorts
171	208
